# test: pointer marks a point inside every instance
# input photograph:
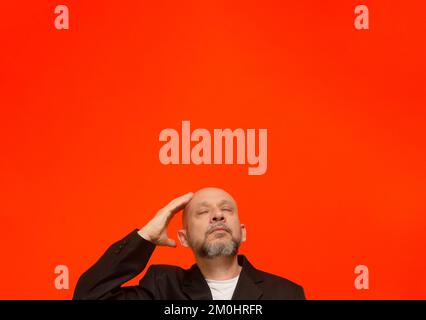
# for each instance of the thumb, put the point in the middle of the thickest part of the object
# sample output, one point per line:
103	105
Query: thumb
171	243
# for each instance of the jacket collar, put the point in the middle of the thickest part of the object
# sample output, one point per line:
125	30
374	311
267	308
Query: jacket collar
196	287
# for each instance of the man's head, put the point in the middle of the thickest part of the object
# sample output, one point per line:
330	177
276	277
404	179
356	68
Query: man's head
211	226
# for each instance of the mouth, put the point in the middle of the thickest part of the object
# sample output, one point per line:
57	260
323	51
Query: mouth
219	230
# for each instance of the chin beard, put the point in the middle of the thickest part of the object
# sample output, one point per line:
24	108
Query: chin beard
218	249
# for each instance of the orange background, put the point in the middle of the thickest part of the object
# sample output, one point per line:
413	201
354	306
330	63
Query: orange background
82	109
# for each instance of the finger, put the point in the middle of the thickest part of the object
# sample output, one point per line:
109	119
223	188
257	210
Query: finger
179	203
171	243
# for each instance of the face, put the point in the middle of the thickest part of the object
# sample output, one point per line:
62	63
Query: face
211	224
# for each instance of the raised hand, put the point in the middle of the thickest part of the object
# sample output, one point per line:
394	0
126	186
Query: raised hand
155	230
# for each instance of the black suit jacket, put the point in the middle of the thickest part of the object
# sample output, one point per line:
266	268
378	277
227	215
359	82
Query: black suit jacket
128	257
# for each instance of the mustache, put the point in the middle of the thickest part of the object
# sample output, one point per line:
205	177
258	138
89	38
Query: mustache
217	226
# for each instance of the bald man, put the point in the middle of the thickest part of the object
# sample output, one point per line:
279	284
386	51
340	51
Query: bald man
212	230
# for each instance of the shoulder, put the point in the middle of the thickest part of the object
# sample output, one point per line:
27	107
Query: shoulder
278	285
165	271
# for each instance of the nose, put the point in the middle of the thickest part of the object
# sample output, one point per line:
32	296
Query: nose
217	216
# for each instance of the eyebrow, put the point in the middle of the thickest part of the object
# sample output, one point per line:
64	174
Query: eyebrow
226	202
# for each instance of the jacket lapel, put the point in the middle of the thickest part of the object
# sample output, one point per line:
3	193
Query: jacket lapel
195	286
247	286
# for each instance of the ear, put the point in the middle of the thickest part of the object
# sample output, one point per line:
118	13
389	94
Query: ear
183	239
243	233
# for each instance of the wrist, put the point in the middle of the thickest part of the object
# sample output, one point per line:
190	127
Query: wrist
144	235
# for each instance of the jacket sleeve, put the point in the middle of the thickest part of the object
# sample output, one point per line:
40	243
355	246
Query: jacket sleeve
300	293
121	262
